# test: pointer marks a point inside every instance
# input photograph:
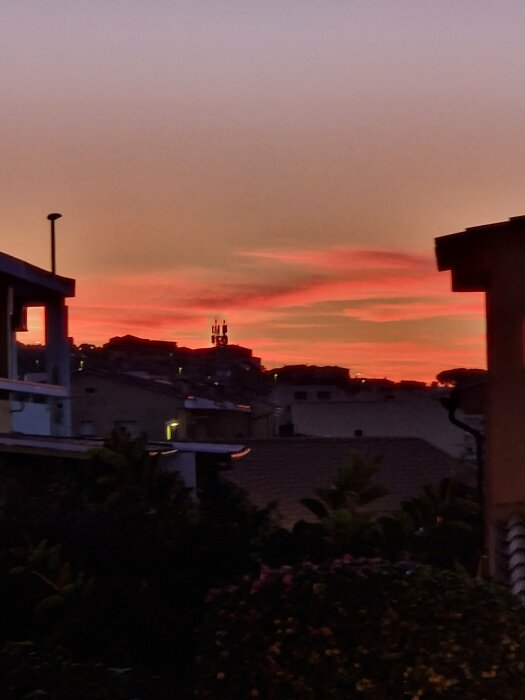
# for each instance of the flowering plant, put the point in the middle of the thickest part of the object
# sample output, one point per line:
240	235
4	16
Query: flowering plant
361	628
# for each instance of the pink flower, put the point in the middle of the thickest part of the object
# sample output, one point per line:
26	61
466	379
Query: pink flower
211	595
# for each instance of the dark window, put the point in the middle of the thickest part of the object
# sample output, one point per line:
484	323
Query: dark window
324	394
300	395
87	428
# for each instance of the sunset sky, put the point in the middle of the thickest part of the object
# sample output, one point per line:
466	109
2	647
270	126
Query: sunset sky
283	164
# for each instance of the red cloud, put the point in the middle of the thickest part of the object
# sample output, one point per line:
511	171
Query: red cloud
356	285
414	308
395	360
347	257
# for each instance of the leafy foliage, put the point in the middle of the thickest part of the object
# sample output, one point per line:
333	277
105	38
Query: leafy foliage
112	560
106	565
362	629
461	376
30	672
344	509
442	526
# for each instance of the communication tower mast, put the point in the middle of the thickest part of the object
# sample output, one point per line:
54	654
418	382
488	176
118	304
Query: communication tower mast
219	333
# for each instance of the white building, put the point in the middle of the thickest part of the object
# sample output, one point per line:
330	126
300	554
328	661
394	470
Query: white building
328	411
41	408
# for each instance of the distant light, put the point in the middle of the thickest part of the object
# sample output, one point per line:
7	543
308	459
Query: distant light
242	453
180	370
363	381
275	377
171	426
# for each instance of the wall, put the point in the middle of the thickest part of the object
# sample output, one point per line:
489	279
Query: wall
284	394
214	424
417	416
103	401
33	419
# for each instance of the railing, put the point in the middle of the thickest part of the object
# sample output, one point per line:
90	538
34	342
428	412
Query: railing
38	388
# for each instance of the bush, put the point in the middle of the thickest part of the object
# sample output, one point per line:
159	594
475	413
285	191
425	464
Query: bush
29	671
108	562
362	629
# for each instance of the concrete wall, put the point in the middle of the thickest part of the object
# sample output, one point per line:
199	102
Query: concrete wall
418	416
213	424
104	403
284	394
31	418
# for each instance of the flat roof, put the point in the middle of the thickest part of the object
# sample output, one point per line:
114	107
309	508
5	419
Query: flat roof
34	283
78	448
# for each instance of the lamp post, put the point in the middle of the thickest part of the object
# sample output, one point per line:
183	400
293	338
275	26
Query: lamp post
53	218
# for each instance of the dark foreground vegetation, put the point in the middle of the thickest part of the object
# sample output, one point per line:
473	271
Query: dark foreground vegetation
115	583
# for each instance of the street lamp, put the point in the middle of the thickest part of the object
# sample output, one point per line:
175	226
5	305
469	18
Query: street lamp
53	218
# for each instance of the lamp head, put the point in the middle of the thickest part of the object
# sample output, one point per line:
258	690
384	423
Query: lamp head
54	217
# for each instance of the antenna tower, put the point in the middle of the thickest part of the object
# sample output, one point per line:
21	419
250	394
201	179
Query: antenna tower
219	334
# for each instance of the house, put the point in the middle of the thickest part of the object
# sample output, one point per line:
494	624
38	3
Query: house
103	400
26	406
307	382
325	402
491	259
195	462
35	415
140	402
396	414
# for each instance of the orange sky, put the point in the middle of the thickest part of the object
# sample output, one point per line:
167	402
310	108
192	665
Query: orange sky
285	165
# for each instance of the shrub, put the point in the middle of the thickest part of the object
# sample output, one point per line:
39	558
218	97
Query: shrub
28	671
108	561
362	629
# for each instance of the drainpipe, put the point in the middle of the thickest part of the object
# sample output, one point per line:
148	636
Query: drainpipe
452	404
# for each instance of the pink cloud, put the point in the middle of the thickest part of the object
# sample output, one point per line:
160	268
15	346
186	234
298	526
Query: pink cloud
414	308
347	257
341	285
212	291
392	359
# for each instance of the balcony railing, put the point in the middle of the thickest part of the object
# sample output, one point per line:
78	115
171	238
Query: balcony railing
37	388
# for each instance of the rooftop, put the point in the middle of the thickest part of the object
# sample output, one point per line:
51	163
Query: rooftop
34	283
285	470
